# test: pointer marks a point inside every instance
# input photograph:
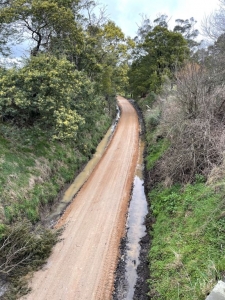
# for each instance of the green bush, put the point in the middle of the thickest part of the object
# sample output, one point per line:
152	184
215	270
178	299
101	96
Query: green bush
147	102
152	118
51	92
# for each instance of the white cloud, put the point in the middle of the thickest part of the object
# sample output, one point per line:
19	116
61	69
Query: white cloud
195	8
127	13
9	62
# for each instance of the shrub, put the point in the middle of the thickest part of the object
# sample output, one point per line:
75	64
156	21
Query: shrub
148	101
193	126
152	118
22	248
49	91
194	149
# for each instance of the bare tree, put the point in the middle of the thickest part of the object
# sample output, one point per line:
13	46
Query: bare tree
213	25
90	13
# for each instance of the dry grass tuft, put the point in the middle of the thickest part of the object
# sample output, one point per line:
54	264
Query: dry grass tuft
216	174
42	165
177	263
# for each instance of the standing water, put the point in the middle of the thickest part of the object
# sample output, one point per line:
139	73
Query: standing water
136	230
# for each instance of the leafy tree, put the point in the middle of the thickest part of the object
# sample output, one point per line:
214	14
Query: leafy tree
42	21
7	32
143	29
160	53
147	26
161	21
186	28
76	57
105	51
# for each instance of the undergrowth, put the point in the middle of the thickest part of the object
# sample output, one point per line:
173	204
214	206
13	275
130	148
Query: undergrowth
24	248
155	150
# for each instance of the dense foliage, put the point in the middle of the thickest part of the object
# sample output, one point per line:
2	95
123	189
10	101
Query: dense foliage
159	55
44	90
159	52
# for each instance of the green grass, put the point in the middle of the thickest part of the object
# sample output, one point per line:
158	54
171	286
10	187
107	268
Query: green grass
34	168
156	150
187	254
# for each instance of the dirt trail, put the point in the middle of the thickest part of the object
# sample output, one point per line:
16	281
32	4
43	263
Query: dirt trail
82	265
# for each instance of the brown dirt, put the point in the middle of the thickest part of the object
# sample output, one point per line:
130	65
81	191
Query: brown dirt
82	265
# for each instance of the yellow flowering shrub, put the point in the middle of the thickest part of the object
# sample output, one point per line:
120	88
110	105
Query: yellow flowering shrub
49	91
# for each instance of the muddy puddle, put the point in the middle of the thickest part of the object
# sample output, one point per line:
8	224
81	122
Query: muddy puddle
83	176
127	269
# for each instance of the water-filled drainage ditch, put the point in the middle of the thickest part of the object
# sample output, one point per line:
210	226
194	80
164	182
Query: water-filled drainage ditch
126	275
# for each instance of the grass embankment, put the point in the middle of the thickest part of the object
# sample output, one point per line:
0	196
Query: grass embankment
187	251
34	169
188	236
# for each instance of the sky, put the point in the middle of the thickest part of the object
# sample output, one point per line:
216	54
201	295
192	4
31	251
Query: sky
127	13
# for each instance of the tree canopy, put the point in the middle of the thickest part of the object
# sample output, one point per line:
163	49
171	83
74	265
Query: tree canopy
77	59
159	54
69	35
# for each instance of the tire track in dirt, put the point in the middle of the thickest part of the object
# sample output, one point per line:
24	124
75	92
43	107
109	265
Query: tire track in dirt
82	265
